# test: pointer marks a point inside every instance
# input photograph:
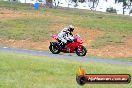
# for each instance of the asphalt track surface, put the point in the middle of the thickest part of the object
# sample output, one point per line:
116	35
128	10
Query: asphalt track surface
63	56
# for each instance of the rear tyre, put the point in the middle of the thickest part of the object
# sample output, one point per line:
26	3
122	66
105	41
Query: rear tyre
82	52
54	49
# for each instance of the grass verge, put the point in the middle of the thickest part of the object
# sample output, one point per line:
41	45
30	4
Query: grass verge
24	71
116	27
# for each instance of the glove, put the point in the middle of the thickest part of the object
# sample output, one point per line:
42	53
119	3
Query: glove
75	40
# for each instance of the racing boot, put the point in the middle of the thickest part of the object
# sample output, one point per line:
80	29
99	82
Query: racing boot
67	49
62	45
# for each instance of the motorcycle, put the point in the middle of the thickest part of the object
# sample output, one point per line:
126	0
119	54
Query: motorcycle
75	46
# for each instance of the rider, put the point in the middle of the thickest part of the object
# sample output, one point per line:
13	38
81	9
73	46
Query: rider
65	35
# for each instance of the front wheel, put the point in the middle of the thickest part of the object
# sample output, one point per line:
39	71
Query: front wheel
54	49
81	52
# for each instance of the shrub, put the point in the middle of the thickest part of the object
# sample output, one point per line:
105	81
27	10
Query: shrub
82	1
111	10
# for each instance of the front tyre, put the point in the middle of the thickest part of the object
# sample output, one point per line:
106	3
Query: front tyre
54	49
81	52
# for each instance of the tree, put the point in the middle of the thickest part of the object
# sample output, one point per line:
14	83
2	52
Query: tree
126	4
93	3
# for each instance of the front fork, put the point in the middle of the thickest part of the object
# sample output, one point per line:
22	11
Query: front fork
80	48
55	44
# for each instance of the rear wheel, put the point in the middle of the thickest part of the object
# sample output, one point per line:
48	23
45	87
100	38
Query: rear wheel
54	49
81	52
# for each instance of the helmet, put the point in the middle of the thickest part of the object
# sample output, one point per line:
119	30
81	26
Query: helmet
71	28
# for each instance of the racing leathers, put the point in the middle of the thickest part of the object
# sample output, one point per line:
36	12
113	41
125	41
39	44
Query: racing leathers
64	36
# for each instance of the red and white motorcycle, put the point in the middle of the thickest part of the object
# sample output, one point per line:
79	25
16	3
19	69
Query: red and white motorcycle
75	46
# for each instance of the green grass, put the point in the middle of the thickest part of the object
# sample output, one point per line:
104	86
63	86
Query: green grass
128	59
115	27
15	6
25	71
103	21
109	39
26	28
